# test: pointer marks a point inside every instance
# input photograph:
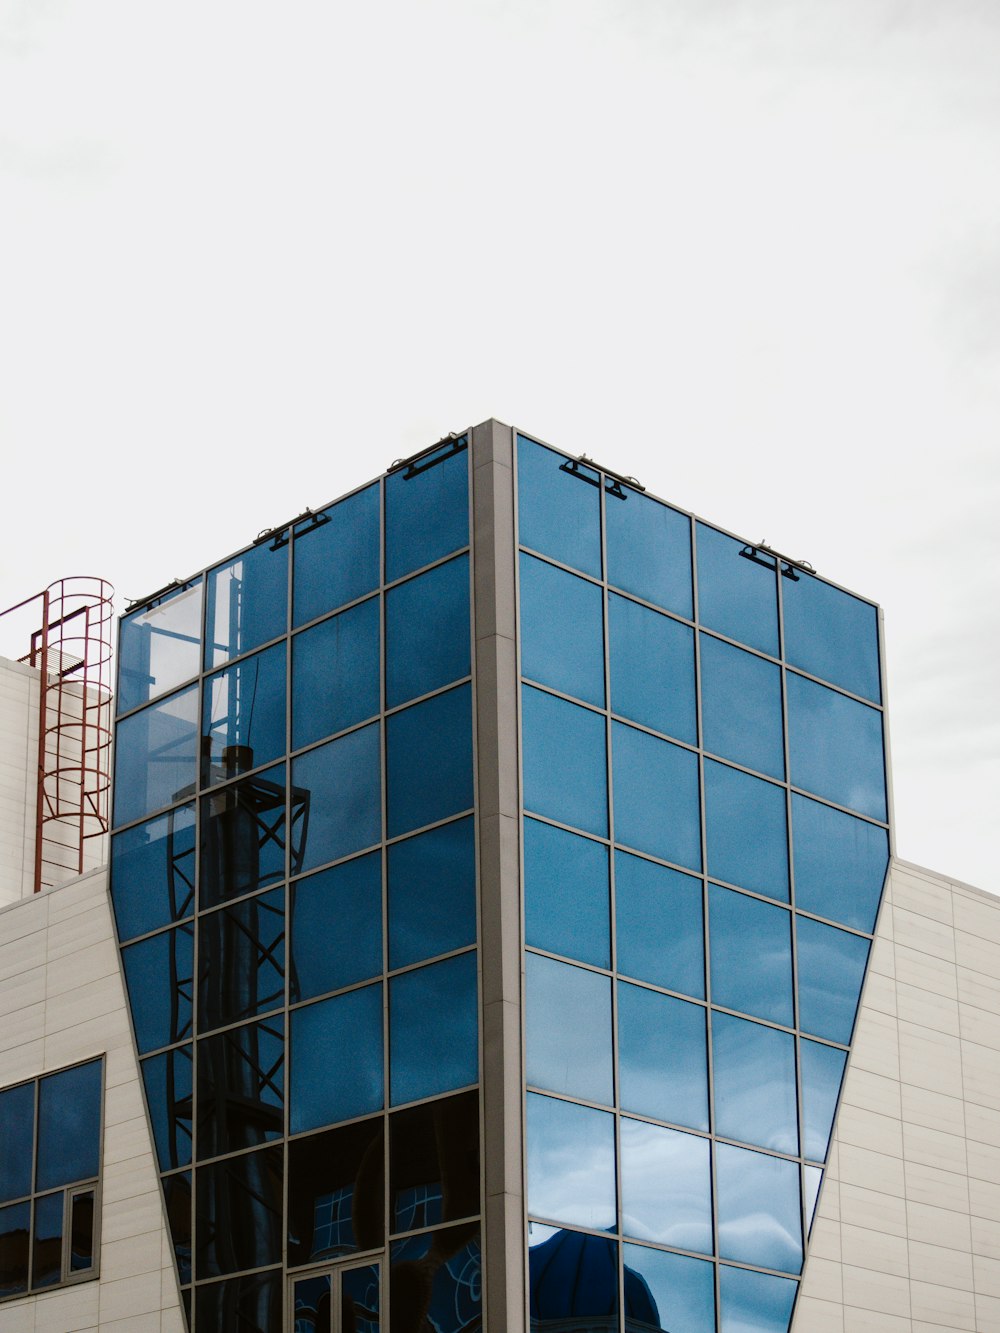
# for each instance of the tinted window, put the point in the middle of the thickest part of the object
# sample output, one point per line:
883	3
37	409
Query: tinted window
337	555
652	669
568	1027
432	893
427	641
436	1280
562	630
152	873
244	715
755	1097
835	747
433	1029
760	1220
243	836
831	968
336	1059
755	1302
563	761
434	1162
343	783
662	1066
840	863
17	1143
659	922
159	973
649	551
426	510
159	647
656	796
822	1072
247	601
666	1186
336	927
168	1083
558	510
566	907
335	1189
429	758
335	673
156	756
241	1087
751	956
241	960
741	707
69	1126
736	594
735	802
246	1188
682	1290
831	634
561	1134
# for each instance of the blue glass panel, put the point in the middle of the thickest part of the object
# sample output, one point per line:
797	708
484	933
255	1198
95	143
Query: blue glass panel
755	1097
343	783
337	555
15	1229
751	951
741	707
840	863
568	1029
336	1059
433	1029
736	595
562	630
244	1190
649	551
426	510
159	647
241	1087
69	1126
46	1256
241	960
159	973
831	634
156	756
243	716
573	1281
17	1142
822	1073
563	761
566	904
558	512
429	758
336	927
244	829
746	831
249	1302
659	923
437	1281
571	1162
812	1179
81	1232
831	974
760	1218
755	1302
662	1065
427	641
835	747
335	673
656	796
432	893
652	669
359	1298
335	1190
246	602
152	873
168	1082
434	1162
666	1186
681	1290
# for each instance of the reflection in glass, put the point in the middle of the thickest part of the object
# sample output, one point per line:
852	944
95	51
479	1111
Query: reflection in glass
563	761
831	634
47	1237
434	1162
566	907
239	1213
241	1087
244	829
831	973
751	951
336	1059
571	1162
159	973
433	1029
337	555
336	927
835	747
17	1142
432	893
246	602
760	1219
152	873
359	1299
746	828
312	1304
243	720
656	796
568	1029
335	1189
177	1202
156	756
429	761
81	1233
666	1186
343	779
573	1281
755	1098
241	960
755	1302
741	707
812	1179
69	1125
682	1290
167	1080
840	863
427	642
436	1281
662	1065
252	1302
736	594
822	1073
660	934
159	647
562	630
335	673
15	1230
427	509
558	510
649	550
652	669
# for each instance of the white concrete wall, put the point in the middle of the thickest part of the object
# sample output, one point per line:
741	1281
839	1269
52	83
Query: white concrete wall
907	1231
62	1001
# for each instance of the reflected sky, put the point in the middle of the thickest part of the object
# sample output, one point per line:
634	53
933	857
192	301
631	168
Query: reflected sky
571	1162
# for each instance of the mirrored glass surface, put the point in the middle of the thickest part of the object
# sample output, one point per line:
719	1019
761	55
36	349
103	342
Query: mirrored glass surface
336	928
831	634
831	968
760	1218
822	1074
741	707
746	830
660	934
335	673
427	510
429	760
571	1162
159	973
736	593
573	1281
666	1186
840	863
341	786
649	550
656	796
167	1079
562	630
433	1029
812	1179
360	1298
652	669
662	1065
754	1082
247	602
159	647
566	900
47	1240
568	1029
81	1233
337	555
835	747
563	759
177	1203
241	960
17	1142
335	1192
253	1301
434	1162
436	1281
558	510
15	1231
241	1087
239	1213
668	1293
152	873
69	1125
244	831
337	1066
243	716
751	950
432	893
755	1302
427	641
156	756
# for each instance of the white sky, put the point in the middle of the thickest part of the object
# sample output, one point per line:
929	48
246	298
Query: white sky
746	250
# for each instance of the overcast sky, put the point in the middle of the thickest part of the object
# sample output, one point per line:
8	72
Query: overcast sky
746	250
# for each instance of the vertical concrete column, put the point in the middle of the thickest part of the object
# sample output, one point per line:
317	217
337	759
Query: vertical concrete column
499	863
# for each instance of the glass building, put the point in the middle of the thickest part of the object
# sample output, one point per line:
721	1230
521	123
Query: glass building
497	857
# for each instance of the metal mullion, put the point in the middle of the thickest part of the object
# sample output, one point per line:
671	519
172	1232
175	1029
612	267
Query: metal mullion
832	685
431	564
833	805
547	558
384	1312
430	694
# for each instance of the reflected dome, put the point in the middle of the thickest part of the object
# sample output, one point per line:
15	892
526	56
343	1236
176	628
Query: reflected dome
575	1277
